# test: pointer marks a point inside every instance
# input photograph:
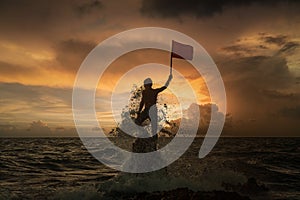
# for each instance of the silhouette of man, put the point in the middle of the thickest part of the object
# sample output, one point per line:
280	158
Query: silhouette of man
148	102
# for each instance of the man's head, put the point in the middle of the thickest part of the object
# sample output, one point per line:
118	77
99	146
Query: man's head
148	82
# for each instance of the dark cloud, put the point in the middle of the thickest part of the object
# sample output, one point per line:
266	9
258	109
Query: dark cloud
291	112
38	20
259	72
199	8
237	49
33	10
278	40
289	47
259	83
241	48
258	87
71	53
8	69
89	7
274	94
284	42
262	47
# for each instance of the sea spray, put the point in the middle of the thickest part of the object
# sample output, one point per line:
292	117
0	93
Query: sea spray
161	181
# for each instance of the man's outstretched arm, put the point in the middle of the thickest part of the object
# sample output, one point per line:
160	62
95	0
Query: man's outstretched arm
169	80
166	84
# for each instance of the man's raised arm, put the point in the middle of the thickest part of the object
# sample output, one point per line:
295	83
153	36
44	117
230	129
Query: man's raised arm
169	80
166	84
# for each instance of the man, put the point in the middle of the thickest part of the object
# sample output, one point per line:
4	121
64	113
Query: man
148	102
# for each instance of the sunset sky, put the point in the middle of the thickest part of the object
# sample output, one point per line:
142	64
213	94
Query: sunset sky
255	45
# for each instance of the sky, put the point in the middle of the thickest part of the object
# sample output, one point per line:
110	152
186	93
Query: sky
255	45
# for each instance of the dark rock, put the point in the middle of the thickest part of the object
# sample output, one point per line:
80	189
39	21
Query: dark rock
144	145
252	187
184	193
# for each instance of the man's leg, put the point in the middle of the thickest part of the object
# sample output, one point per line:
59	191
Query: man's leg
142	117
153	118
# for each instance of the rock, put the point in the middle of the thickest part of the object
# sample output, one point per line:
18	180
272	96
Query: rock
252	187
184	193
144	145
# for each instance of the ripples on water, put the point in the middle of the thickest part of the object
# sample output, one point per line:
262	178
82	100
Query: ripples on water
36	168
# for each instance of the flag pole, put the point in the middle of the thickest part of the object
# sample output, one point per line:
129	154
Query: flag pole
171	63
171	60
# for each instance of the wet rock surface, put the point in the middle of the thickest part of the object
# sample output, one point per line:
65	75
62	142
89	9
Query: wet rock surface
184	193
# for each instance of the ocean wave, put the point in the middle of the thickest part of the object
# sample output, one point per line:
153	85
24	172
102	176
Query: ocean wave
159	181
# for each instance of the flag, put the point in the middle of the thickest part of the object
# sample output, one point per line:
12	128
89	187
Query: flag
182	51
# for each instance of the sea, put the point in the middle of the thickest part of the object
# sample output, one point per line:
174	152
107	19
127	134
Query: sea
62	168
